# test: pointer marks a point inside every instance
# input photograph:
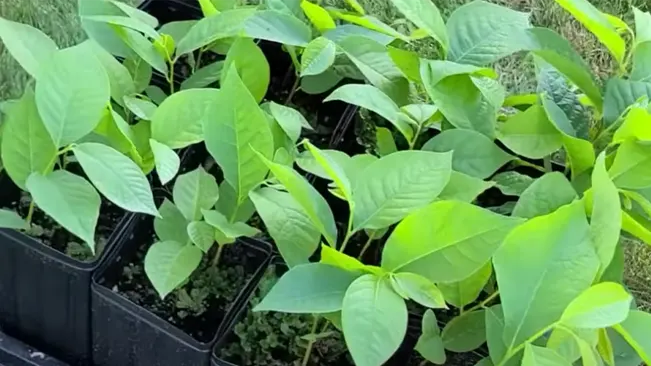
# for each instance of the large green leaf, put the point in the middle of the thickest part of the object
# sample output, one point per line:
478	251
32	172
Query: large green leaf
312	288
168	264
398	184
171	225
541	356
26	144
462	187
237	130
426	16
375	100
541	267
278	27
374	320
631	166
195	191
544	196
289	226
464	292
28	45
226	24
116	177
530	133
11	220
466	332
446	241
602	305
597	23
621	94
635	330
473	153
482	33
70	200
71	94
312	203
318	56
251	66
167	161
178	122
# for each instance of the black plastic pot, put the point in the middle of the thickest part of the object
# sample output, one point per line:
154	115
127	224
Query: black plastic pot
167	11
127	334
46	294
16	353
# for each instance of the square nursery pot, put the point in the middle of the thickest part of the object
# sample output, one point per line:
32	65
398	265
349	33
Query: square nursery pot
16	353
128	334
46	294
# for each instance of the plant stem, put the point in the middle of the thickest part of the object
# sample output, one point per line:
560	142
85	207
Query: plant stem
293	91
530	165
310	343
197	61
547	163
367	245
483	303
30	212
171	78
514	351
215	260
413	141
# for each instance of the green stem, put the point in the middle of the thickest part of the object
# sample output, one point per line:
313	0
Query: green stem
547	163
484	302
215	260
30	212
413	141
367	245
514	351
310	343
198	61
293	91
171	78
349	232
530	165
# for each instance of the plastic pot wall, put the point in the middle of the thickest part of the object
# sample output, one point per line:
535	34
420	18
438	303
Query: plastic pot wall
16	353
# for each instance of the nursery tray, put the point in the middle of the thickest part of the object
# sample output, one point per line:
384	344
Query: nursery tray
16	353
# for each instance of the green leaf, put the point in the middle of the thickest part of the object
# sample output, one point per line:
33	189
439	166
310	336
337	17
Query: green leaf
312	288
28	45
11	220
474	154
620	95
289	226
336	258
278	27
606	217
136	13
334	170
227	204
312	203
144	49
634	127
408	62
231	230
226	24
307	162
118	133
512	183
540	356
494	330
26	145
641	64
465	332
195	107
290	120
140	72
426	16
374	320
631	166
168	264
103	33
375	100
430	344
464	292
71	95
204	77
544	196
530	133
384	141
208	8
635	330
397	185
125	22
201	234
462	187
418	289
70	200
171	225
251	66
238	130
446	241
318	84
141	108
541	267
318	56
120	79
369	22
195	191
116	177
482	33
167	162
602	305
318	16
597	23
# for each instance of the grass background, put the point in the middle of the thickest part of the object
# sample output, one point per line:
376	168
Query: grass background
58	19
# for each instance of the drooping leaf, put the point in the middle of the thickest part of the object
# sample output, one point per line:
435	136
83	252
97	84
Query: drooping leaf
447	241
374	320
116	177
26	144
229	229
541	267
419	289
167	161
632	162
426	16
541	356
312	288
168	264
11	220
201	234
398	184
32	48
430	344
465	332
544	196
71	95
602	305
171	225
289	226
318	56
204	77
194	107
277	27
512	183
251	65
195	191
290	120
334	170
462	187
530	134
226	24
464	292
69	199
145	49
238	130
635	330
